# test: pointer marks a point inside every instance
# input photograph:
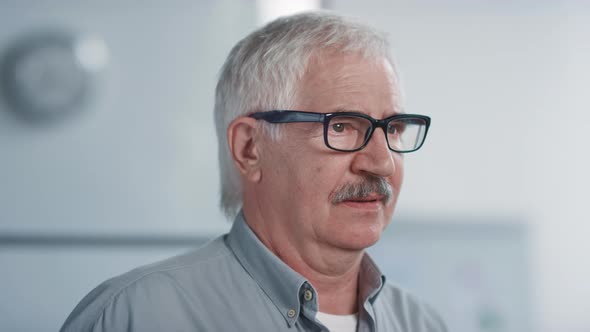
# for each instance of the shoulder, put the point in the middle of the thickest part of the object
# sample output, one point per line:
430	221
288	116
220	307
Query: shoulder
114	303
407	310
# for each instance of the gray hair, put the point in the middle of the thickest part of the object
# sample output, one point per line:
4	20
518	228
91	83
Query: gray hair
262	72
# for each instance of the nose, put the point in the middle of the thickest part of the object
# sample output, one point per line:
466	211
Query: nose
375	158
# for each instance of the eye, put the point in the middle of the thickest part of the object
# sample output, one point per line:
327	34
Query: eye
391	129
395	128
338	127
348	125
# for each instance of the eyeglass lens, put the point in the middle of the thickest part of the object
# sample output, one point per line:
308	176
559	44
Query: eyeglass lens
351	132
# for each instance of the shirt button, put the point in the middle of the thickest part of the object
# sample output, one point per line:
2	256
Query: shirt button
308	295
291	313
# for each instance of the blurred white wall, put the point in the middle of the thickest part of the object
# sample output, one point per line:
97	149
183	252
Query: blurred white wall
558	180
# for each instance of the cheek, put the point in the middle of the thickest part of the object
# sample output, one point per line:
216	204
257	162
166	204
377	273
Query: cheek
312	169
327	174
311	179
315	180
299	171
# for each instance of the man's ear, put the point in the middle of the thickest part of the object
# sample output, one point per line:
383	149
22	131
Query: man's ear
244	147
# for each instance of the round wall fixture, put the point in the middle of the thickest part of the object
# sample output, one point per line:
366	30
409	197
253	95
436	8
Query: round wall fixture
47	75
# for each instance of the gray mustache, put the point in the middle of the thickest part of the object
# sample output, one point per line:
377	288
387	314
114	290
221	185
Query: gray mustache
368	186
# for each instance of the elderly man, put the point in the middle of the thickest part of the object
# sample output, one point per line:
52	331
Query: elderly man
311	138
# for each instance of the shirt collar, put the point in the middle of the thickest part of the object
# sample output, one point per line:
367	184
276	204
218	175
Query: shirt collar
280	283
371	280
283	285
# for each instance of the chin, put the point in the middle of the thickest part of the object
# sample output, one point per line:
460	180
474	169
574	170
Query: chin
353	228
358	235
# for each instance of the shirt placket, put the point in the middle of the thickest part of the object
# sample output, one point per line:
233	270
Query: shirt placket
309	307
366	323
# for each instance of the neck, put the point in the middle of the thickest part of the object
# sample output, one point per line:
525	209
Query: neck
334	275
333	272
337	292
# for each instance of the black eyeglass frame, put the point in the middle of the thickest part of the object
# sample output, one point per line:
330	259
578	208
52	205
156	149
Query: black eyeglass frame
289	116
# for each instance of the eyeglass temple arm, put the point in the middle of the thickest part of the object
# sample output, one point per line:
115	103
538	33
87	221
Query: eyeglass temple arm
280	116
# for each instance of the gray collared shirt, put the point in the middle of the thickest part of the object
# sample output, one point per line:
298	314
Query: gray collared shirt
234	283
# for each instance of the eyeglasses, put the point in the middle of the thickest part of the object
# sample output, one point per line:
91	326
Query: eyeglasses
351	131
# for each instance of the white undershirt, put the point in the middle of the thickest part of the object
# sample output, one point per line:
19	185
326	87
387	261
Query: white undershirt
338	323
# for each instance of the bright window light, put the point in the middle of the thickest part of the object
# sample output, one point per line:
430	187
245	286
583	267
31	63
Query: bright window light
268	10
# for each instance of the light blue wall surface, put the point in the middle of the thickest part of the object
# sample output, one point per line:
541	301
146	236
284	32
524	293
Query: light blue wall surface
133	158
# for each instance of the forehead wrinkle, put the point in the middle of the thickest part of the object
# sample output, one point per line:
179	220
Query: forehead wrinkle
346	87
345	82
353	98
